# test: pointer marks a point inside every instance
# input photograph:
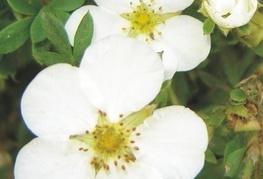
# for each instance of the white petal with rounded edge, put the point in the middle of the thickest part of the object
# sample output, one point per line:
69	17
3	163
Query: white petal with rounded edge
120	75
53	103
105	22
185	35
123	6
43	159
173	141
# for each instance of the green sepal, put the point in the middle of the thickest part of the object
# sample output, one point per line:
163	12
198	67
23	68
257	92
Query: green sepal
83	37
250	125
29	7
239	110
238	96
208	26
14	35
135	119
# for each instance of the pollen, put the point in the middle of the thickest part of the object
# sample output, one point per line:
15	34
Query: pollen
113	144
144	20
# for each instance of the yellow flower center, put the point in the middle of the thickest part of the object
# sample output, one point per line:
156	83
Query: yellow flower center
112	142
144	19
109	139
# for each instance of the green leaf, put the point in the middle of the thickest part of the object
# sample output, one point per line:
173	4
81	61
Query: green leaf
208	26
217	116
36	31
67	5
233	161
29	7
83	37
49	58
14	35
55	32
210	156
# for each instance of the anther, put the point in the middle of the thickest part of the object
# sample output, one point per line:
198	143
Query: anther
115	163
121	115
86	131
138	134
123	167
132	141
85	150
80	148
106	167
136	148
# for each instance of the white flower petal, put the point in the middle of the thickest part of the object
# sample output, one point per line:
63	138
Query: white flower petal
118	6
105	22
53	103
120	75
185	35
169	58
133	171
173	141
172	6
42	159
123	6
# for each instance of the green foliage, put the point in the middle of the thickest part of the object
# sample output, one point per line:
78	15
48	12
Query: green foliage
54	31
7	66
29	7
238	96
210	157
83	37
233	161
14	35
66	5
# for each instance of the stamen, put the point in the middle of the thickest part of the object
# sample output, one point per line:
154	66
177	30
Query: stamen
123	167
136	148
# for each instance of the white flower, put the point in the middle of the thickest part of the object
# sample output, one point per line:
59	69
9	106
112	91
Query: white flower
179	38
230	13
120	143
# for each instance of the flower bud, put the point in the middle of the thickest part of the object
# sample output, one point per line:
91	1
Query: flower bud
228	14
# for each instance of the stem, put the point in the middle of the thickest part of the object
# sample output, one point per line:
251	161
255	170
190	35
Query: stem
173	98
